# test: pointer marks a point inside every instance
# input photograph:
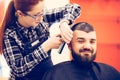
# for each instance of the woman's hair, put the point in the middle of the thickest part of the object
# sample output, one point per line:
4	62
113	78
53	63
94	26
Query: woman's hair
14	5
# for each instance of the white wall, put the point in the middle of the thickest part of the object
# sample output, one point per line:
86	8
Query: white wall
4	71
55	3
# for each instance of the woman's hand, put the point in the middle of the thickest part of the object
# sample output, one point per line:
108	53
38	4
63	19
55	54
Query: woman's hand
52	43
66	32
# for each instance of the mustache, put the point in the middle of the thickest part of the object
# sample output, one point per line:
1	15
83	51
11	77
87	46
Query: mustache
86	49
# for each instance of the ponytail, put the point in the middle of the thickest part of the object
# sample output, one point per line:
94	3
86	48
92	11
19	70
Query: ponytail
8	19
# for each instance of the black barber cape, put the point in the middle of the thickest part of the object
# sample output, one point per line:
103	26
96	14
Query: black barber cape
71	71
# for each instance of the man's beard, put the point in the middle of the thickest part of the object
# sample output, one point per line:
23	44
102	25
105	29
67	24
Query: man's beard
84	59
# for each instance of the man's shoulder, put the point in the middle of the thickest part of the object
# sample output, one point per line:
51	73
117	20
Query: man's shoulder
57	72
105	67
60	65
102	64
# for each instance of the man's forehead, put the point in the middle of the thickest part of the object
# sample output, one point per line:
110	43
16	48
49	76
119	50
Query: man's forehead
82	34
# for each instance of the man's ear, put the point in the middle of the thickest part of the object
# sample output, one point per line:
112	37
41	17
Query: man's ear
69	45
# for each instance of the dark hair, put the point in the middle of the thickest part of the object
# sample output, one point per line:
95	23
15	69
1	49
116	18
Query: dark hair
22	5
83	26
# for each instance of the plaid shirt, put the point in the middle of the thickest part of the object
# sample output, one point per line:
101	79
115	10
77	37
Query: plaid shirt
13	49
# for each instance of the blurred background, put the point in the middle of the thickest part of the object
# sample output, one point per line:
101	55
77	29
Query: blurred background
104	15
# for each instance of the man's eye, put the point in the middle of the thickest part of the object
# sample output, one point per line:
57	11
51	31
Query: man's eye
80	41
92	42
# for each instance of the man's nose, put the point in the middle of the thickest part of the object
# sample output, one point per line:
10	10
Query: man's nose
87	45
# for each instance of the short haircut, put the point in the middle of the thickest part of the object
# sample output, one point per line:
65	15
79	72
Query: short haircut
83	26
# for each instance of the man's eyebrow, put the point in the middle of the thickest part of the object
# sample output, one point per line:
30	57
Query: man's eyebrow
80	38
93	39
